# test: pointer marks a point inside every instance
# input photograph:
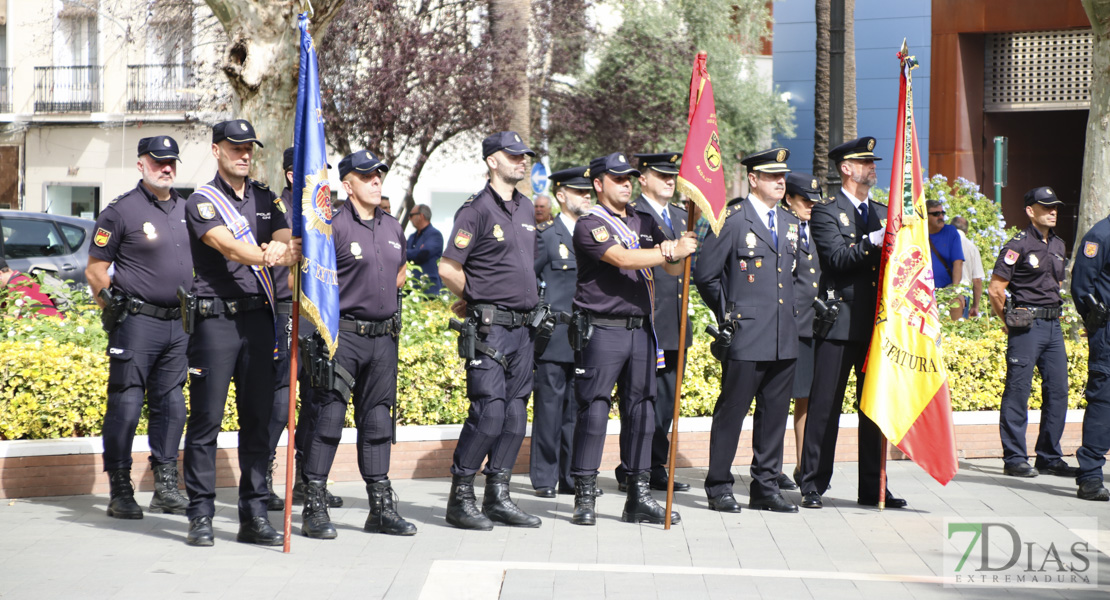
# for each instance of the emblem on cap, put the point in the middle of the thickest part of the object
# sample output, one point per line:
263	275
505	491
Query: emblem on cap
564	252
1090	249
620	158
1011	257
498	233
462	239
781	156
813	184
601	234
243	126
674	157
166	142
871	144
1048	191
206	210
368	157
148	229
516	137
102	237
356	250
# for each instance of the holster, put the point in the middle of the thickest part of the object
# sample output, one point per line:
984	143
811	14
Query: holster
722	339
1097	313
824	317
580	331
1016	317
469	344
188	309
323	372
114	312
542	322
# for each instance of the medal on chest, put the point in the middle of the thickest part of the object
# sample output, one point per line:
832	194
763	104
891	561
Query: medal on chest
148	229
844	219
498	234
564	252
743	265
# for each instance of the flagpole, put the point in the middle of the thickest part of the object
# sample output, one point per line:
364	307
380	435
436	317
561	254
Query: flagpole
882	472
294	315
682	324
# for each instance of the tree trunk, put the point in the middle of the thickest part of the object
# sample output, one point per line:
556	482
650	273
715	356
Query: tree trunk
509	22
849	69
414	176
821	93
261	63
1094	198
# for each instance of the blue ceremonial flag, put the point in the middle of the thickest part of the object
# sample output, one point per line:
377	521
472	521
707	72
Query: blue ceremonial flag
311	212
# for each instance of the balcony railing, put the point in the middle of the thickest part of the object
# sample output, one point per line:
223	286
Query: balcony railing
69	89
5	89
160	88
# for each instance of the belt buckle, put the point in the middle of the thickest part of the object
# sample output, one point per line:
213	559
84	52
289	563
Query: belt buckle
232	306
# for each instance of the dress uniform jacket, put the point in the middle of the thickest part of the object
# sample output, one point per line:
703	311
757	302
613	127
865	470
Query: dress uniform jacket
557	268
668	288
807	278
849	263
744	277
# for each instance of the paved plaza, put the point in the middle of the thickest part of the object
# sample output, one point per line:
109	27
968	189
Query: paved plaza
65	547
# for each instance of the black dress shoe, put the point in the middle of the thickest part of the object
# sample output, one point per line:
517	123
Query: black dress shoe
726	502
786	483
659	484
775	503
1059	469
891	502
812	500
259	531
1092	489
544	492
1021	469
200	532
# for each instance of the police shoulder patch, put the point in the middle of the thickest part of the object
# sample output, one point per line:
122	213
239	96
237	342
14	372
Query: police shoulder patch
601	234
462	239
207	210
1090	249
102	237
279	204
1011	257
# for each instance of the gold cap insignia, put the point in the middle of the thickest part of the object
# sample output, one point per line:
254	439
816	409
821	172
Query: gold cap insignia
871	144
674	158
781	156
243	126
813	184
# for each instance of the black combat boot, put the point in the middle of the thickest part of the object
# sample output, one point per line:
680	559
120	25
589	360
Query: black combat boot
383	517
298	490
640	507
497	505
121	497
167	498
462	506
585	492
316	522
274	502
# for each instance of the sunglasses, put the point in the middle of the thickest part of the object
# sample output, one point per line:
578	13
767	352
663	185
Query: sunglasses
937	213
414	214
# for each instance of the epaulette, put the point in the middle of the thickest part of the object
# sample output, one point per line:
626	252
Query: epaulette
1018	236
545	225
470	199
259	185
879	203
118	198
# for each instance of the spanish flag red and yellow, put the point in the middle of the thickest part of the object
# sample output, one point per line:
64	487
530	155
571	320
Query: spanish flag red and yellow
905	391
702	175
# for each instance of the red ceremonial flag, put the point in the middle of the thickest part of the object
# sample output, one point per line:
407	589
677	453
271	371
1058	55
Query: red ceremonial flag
905	391
701	176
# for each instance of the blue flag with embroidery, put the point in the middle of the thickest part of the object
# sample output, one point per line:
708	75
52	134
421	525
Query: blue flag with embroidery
311	200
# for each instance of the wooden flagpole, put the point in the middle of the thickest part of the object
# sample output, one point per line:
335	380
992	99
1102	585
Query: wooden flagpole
681	368
295	315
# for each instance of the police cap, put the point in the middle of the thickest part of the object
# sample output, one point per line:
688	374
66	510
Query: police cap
613	164
666	162
287	159
1042	195
362	161
767	161
159	147
804	185
858	149
509	141
239	131
573	178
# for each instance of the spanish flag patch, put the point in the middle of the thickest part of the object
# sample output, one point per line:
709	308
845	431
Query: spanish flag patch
102	237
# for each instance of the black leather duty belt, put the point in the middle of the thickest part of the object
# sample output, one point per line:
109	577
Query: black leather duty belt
626	322
1042	312
502	317
211	307
284	307
366	328
136	306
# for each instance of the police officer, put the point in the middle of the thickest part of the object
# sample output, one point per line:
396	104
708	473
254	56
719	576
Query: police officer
658	173
1031	266
746	275
802	192
306	417
491	255
1090	286
848	232
237	232
370	262
554	409
616	248
142	232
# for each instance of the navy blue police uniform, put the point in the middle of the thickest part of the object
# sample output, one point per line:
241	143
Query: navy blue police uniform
554	409
622	350
671	221
807	277
233	339
147	241
1035	267
1090	278
494	239
369	254
850	277
746	275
